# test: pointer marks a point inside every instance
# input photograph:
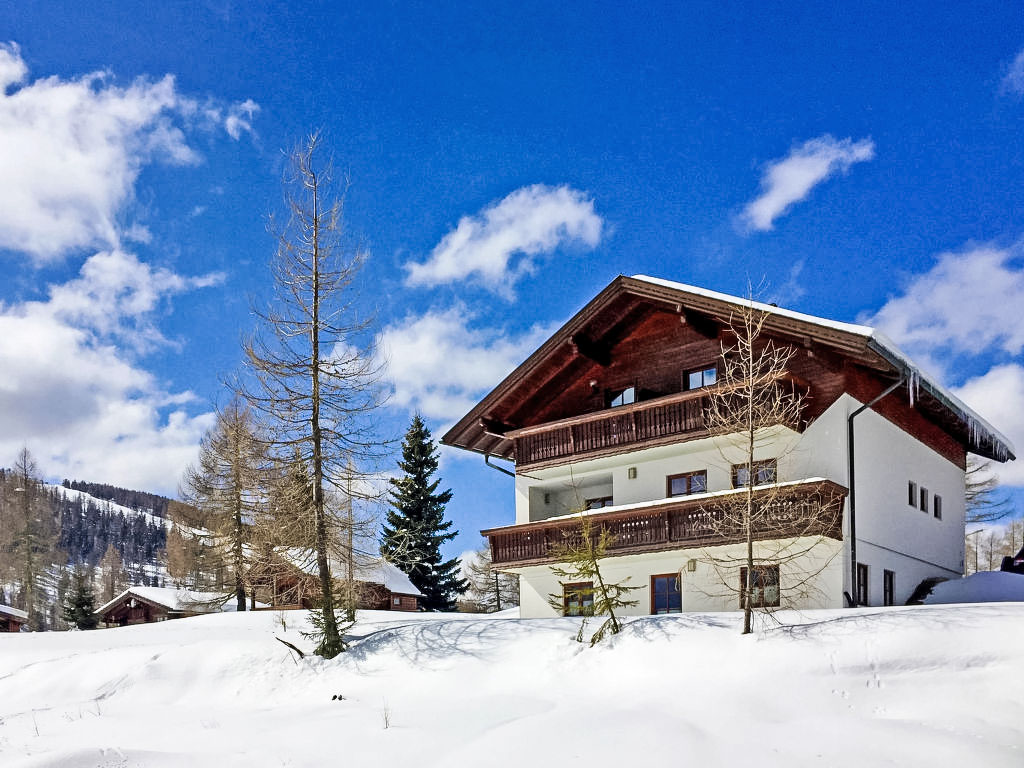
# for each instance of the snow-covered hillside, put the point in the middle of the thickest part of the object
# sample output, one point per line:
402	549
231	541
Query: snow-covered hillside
919	686
85	498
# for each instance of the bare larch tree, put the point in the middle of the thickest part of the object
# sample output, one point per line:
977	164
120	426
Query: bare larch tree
228	486
750	409
313	371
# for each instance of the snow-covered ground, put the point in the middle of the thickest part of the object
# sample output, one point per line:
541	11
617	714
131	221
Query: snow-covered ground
914	686
983	586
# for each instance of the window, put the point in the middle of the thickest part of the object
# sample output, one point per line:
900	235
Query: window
578	599
686	483
764	472
619	397
912	493
862	584
764	586
396	601
666	597
603	501
703	377
937	506
888	587
924	499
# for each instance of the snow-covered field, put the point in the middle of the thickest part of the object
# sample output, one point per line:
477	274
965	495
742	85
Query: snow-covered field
918	686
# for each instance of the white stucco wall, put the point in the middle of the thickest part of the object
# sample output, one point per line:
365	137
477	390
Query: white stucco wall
567	486
891	535
810	580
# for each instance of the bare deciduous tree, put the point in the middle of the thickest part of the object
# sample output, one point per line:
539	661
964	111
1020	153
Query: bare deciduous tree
313	371
749	410
490	589
227	486
31	548
981	493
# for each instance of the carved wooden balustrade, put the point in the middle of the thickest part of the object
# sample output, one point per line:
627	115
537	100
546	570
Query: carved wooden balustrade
610	431
808	508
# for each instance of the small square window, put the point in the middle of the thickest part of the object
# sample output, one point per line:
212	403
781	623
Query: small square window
912	493
924	499
764	587
396	601
687	483
578	599
619	397
937	506
703	377
765	472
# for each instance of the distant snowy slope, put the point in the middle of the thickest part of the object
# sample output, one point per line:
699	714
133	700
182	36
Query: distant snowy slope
913	686
73	495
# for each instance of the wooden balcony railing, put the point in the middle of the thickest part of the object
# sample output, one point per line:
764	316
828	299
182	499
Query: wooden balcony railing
610	431
808	508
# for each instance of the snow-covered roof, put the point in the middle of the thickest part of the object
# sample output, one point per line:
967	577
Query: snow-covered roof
369	569
880	343
9	611
175	599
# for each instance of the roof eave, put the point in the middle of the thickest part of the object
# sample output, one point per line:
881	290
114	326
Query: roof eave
984	439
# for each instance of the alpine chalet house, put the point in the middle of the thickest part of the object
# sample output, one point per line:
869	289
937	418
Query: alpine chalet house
609	416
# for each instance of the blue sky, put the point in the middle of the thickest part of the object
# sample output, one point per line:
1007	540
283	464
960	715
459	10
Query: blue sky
506	162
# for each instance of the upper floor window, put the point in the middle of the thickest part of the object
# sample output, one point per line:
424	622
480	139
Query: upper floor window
912	493
937	506
703	377
687	483
602	501
618	397
765	472
924	499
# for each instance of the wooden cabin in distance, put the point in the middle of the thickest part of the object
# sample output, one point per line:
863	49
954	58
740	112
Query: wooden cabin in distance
289	579
11	619
146	605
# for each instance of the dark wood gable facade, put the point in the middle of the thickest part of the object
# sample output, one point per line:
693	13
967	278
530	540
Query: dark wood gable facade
617	378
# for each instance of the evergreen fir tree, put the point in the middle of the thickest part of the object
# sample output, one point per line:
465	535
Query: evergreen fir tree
416	528
80	602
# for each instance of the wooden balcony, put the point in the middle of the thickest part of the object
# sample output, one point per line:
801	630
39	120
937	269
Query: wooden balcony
614	430
806	508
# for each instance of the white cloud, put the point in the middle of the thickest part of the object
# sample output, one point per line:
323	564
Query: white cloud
71	151
115	296
999	397
71	387
791	179
73	398
12	67
497	246
1013	81
440	366
968	303
239	118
